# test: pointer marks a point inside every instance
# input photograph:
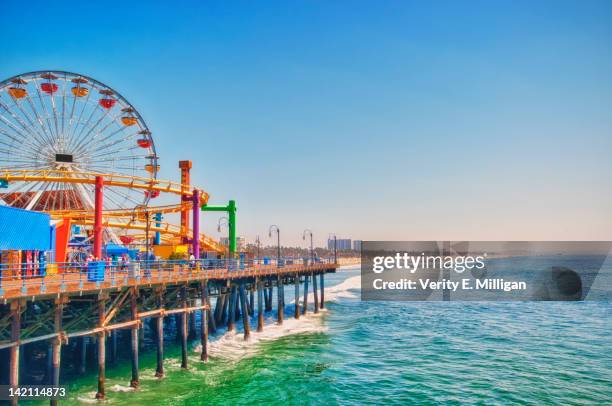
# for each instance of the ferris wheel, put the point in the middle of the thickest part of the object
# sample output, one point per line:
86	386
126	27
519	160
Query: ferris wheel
68	124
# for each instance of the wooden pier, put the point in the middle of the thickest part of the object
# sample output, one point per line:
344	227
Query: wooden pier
70	306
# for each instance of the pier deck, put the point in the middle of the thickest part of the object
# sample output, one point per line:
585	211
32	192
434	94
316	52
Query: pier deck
75	281
100	301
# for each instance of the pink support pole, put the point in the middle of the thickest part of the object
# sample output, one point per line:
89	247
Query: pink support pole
196	224
97	248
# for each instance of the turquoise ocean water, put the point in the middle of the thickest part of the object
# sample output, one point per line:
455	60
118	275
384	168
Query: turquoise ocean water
389	352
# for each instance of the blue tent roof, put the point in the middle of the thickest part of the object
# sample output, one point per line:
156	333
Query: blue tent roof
24	230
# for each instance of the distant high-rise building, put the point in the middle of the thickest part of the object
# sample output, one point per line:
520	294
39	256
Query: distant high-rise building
356	245
341	244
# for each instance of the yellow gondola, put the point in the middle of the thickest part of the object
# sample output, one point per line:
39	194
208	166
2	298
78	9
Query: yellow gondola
17	92
79	91
129	120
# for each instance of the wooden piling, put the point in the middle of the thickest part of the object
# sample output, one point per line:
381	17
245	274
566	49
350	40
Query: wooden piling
260	297
212	325
57	344
265	296
14	351
237	308
252	301
204	323
245	313
101	349
306	278
231	309
315	293
224	312
134	382
141	332
297	296
184	328
279	294
218	307
159	371
269	295
322	280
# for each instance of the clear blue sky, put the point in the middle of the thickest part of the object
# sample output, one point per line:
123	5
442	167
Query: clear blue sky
374	120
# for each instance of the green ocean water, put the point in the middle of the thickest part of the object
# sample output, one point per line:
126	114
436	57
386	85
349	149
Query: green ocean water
388	352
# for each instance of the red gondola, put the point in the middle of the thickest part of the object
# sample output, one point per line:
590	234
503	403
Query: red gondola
143	143
48	87
107	103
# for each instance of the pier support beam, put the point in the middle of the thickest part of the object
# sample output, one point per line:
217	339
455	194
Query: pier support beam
265	295
315	293
101	349
231	314
184	329
224	312
306	278
14	351
245	313
57	345
219	307
212	325
252	301
204	322
281	304
134	382
268	292
260	316
159	371
297	296
322	280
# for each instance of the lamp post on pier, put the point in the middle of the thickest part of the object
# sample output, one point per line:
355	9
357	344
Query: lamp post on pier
219	224
308	231
274	227
335	246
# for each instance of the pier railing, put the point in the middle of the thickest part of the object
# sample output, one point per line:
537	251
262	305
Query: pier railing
30	279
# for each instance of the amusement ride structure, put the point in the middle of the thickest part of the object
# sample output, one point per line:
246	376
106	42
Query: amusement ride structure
67	139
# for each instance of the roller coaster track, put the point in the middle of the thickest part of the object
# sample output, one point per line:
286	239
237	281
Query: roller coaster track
133	182
133	218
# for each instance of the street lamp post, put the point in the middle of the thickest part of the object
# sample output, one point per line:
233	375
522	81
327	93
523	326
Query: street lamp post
219	230
308	231
258	247
278	249
335	247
